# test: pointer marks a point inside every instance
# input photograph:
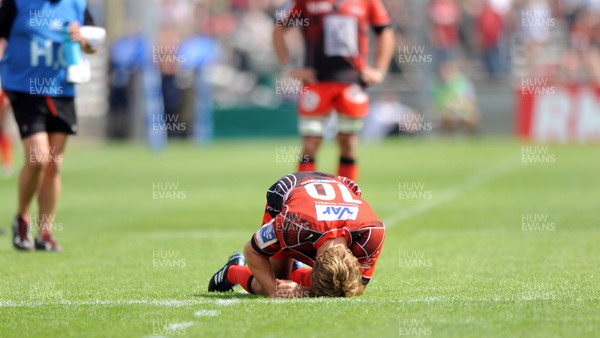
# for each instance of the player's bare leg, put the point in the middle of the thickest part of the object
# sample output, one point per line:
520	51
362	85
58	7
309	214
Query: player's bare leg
50	188
37	153
6	150
5	141
36	158
310	147
348	144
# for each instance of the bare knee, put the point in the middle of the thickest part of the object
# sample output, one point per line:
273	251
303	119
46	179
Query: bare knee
53	168
37	161
37	152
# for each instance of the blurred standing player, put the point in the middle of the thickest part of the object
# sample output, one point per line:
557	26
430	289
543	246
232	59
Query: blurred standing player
34	74
336	70
5	141
320	220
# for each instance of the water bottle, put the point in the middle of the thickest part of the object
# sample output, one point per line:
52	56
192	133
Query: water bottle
72	48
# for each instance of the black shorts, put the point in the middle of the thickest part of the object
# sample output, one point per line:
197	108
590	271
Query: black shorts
35	114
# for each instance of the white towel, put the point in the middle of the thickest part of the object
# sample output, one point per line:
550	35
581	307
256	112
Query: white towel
81	72
94	36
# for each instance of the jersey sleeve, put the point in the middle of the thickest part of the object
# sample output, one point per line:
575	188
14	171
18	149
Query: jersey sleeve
265	241
8	13
351	185
379	16
277	194
267	217
366	246
368	272
88	18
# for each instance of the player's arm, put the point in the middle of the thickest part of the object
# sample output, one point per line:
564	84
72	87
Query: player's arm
262	246
305	74
384	44
75	33
282	27
384	48
373	249
291	289
88	21
2	47
282	52
264	278
265	282
384	51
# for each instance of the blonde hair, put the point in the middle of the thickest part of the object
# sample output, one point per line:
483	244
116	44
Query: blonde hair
336	273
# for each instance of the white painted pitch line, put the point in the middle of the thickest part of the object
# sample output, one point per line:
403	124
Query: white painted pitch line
451	193
67	303
227	302
164	303
207	313
179	303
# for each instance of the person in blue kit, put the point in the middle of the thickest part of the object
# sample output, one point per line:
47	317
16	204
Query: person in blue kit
34	72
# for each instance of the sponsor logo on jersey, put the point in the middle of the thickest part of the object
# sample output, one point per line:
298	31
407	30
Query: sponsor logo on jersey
336	213
266	235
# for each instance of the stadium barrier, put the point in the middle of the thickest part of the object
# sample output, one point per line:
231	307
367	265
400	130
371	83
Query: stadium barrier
562	113
255	122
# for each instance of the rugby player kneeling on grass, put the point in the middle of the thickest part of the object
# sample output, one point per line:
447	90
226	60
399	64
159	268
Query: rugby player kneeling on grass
317	219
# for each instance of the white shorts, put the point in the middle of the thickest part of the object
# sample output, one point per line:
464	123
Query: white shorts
315	125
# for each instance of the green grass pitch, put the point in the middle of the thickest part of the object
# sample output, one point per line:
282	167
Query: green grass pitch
486	238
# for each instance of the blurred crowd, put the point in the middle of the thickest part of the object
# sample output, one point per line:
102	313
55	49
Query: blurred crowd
490	37
464	41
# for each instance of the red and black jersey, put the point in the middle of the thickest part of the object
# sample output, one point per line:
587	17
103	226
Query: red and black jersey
336	34
306	209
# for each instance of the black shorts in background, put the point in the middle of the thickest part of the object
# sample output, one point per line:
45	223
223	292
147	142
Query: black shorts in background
35	114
